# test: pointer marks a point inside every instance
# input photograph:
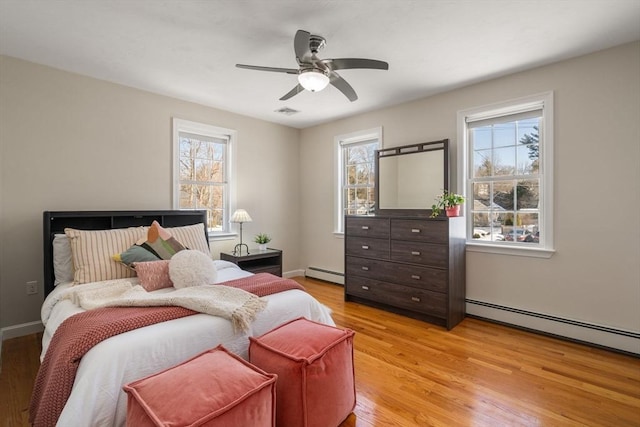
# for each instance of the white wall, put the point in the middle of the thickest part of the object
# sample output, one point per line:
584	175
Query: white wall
69	142
594	277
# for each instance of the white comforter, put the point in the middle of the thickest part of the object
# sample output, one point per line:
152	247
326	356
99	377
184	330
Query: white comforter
97	398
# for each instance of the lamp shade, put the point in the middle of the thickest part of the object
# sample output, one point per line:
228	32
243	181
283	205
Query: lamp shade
240	215
313	80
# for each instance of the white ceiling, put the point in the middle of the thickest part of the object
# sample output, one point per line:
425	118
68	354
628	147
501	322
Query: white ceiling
188	49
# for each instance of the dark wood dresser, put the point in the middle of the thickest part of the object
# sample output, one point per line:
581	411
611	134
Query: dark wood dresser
408	265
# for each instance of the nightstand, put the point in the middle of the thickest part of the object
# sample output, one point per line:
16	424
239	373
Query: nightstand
267	261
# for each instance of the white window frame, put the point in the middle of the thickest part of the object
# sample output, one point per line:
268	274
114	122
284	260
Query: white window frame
338	143
542	101
181	125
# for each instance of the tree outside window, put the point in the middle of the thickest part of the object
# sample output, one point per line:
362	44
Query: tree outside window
355	176
505	153
505	178
359	185
202	171
202	176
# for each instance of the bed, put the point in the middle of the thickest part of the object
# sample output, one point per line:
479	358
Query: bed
97	398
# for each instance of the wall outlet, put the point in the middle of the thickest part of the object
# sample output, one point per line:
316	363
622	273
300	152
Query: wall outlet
32	287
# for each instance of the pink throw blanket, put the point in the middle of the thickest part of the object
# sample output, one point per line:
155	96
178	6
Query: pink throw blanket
262	284
79	333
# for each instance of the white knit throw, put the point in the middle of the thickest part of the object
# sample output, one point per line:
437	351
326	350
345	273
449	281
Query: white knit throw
236	305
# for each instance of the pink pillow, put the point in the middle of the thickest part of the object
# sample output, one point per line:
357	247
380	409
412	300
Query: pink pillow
153	274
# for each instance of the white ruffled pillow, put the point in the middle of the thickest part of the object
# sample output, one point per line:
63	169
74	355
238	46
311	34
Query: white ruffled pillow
191	268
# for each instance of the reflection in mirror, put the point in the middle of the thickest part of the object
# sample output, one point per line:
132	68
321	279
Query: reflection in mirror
411	182
408	178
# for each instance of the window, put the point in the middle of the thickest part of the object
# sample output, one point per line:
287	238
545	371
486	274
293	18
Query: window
203	172
355	177
508	158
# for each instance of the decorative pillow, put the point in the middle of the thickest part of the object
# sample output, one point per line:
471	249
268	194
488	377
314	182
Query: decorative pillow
62	264
192	268
153	274
159	244
192	237
135	254
91	252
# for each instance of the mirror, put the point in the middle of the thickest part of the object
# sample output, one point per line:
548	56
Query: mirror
408	178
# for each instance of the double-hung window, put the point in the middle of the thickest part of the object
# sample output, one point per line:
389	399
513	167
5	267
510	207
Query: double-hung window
355	177
508	158
203	172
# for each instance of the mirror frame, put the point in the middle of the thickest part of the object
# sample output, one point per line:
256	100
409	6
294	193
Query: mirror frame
405	150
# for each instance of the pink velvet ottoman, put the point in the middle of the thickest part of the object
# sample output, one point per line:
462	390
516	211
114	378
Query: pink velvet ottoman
214	388
314	364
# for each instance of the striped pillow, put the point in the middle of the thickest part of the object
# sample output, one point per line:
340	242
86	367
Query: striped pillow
91	252
191	236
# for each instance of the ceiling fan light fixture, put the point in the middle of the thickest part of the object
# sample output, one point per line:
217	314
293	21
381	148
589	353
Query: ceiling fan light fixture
314	74
313	80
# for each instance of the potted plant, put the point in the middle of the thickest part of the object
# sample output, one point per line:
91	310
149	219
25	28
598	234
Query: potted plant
450	202
262	239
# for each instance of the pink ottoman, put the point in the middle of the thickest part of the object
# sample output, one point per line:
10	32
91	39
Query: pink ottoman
215	388
314	364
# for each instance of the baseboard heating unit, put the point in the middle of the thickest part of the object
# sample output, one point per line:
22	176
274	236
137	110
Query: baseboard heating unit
324	274
608	337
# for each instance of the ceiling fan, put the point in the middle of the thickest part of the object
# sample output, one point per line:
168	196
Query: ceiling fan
314	73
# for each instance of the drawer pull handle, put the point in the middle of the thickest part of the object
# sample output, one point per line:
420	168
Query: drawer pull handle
365	268
416	299
415	276
415	253
366	288
365	227
415	230
365	247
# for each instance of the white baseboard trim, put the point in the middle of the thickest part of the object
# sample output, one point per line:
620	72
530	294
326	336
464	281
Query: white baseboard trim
293	273
324	274
604	336
21	330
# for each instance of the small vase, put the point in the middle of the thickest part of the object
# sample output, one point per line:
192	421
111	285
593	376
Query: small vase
453	210
262	246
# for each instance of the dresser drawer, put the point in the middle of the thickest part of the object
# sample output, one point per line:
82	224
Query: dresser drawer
420	230
412	275
434	255
367	247
415	299
366	226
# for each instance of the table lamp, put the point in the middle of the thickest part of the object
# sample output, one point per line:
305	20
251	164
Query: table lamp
240	216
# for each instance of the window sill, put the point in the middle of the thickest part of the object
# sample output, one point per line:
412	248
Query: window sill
339	234
222	236
510	250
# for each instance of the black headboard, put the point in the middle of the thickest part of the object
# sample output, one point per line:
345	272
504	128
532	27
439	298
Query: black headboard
56	222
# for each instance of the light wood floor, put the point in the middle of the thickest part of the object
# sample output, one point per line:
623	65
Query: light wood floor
411	373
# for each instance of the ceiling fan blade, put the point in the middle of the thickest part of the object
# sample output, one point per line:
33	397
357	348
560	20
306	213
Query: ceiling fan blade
350	63
301	47
274	69
342	85
296	90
